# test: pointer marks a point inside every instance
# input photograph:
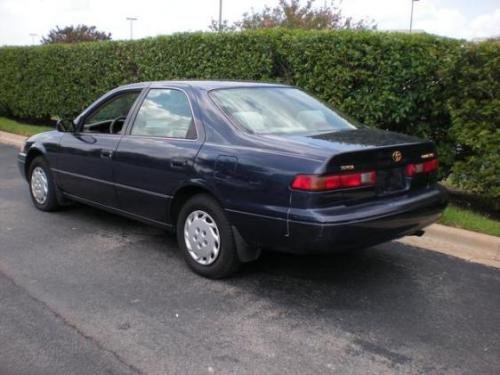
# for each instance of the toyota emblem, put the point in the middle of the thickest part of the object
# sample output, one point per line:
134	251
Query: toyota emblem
397	156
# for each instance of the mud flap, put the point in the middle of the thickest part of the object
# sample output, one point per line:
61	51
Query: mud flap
246	252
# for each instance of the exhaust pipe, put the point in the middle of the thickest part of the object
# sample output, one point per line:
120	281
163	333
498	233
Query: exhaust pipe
419	233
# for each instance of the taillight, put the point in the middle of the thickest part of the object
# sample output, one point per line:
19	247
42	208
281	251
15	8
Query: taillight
311	182
425	167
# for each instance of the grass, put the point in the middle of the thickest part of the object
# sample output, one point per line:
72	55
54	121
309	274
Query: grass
466	219
15	127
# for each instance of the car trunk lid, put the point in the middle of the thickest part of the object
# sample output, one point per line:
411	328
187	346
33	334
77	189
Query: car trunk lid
388	162
366	150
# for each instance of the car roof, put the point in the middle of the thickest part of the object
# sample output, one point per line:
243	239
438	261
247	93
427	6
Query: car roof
202	85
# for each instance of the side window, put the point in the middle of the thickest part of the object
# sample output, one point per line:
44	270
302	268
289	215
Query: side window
165	113
110	117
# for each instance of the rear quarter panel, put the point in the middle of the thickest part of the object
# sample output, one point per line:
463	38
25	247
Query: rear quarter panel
253	187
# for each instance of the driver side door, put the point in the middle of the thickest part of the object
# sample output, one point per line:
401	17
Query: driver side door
84	165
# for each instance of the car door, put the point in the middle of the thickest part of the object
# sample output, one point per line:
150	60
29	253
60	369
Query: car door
157	153
85	160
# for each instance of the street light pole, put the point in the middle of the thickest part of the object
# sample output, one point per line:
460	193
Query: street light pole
220	15
131	20
411	16
33	35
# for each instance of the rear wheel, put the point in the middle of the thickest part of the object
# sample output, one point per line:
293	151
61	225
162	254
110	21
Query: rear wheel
205	237
42	187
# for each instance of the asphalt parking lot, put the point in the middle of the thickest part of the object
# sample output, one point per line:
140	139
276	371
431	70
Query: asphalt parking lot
83	291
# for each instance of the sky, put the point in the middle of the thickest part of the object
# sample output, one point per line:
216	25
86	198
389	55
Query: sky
467	19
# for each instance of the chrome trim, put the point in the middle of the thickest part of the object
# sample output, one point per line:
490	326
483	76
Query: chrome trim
118	211
161	137
255	214
160	195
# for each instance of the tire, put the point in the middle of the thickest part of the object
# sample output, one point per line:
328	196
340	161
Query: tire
39	170
200	211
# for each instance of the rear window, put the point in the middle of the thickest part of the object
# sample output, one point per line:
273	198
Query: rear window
278	110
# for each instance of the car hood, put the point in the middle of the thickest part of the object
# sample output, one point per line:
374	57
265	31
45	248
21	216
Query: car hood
327	144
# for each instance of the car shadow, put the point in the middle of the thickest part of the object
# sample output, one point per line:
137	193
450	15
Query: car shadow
364	278
351	280
370	267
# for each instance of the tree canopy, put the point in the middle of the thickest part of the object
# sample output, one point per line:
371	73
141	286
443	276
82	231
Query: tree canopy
292	14
75	34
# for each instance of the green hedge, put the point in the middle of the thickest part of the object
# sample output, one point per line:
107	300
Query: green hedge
39	82
392	81
475	113
412	83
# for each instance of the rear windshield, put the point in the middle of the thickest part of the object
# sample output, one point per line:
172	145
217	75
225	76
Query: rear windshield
278	110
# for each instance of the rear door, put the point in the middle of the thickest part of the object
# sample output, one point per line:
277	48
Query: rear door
85	160
157	153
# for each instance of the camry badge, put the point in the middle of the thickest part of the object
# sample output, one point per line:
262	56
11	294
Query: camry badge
397	156
348	167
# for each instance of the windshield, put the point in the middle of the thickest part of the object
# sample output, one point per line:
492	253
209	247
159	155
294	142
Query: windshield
278	110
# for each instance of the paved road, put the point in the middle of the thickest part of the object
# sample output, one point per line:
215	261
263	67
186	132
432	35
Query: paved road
82	291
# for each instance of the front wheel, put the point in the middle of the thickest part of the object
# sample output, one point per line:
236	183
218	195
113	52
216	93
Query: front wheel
205	237
42	187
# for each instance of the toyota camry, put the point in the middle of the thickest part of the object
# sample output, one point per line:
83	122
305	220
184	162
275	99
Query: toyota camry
235	168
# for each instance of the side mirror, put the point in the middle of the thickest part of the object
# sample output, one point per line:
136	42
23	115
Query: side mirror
65	126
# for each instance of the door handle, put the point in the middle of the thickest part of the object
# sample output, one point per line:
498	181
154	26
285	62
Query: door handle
106	154
178	164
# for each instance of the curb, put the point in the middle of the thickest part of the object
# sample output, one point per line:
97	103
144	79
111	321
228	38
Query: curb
12	139
471	246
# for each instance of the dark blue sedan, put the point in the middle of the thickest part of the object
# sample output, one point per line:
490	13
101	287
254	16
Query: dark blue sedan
235	168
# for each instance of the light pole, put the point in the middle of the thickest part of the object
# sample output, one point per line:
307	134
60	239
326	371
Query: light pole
220	15
33	35
411	16
131	20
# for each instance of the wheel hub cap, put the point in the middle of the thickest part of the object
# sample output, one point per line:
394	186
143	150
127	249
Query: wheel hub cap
39	185
202	237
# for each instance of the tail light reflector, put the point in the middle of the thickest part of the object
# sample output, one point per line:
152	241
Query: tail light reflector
331	182
425	167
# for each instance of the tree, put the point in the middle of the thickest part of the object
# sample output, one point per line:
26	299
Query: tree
75	34
293	15
224	26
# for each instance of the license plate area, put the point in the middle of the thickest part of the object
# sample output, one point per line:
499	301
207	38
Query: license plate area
390	180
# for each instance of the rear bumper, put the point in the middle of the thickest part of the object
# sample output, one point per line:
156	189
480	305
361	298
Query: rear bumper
349	227
315	237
